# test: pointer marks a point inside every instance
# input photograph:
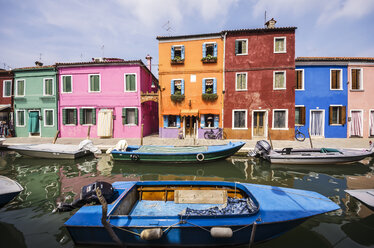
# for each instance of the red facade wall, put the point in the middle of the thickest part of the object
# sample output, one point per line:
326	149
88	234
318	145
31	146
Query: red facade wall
260	64
5	75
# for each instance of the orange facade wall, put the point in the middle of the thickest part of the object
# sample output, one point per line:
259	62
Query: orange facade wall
192	68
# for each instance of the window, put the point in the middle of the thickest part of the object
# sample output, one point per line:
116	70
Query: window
7	88
87	116
209	120
94	83
336	79
239	119
177	53
241	81
69	116
172	121
209	50
67	84
209	86
130	82
299	115
48	87
177	87
280	119
279	44
337	115
20	87
279	80
299	79
356	79
48	118
241	47
20	119
130	116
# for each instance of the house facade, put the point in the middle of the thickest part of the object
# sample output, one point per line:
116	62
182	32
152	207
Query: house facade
360	109
321	96
103	98
6	103
191	85
259	83
35	101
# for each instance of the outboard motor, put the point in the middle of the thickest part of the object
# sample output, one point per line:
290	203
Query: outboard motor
262	148
88	195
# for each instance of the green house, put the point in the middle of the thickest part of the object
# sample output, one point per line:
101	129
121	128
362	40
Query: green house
35	101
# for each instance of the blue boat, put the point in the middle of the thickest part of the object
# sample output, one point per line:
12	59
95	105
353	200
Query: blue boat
177	154
195	213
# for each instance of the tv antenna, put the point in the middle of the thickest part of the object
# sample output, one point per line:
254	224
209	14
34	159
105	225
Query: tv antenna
167	26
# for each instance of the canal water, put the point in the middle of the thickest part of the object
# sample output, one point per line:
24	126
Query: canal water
30	221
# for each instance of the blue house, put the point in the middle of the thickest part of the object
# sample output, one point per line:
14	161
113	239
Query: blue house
321	96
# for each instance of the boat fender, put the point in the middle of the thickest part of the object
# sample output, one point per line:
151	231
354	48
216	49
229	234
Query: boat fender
134	157
221	232
200	157
151	234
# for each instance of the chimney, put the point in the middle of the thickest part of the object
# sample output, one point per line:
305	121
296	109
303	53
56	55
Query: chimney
271	23
38	63
149	60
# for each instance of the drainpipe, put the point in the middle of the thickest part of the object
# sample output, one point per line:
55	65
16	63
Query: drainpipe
223	80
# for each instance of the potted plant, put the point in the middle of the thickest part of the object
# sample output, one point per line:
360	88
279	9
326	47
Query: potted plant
209	59
177	60
209	97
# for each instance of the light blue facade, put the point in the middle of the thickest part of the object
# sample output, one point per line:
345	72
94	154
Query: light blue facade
318	95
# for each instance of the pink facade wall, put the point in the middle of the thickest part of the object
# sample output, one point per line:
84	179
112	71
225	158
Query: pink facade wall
361	99
111	96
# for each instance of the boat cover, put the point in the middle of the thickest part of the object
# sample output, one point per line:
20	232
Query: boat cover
172	149
233	207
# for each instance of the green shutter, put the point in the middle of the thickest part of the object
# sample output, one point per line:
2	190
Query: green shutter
94	116
123	116
20	88
127	82
94	83
133	82
64	116
81	116
236	47
75	117
136	116
66	84
48	117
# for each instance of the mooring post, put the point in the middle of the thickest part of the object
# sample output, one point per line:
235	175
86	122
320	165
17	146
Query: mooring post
56	136
310	139
88	132
141	135
271	143
253	233
106	225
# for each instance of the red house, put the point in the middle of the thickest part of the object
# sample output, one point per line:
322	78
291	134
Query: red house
6	99
259	83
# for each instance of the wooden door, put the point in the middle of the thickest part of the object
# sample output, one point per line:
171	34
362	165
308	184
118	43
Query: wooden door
259	123
190	126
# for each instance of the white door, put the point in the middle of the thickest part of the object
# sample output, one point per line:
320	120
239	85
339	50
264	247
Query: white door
371	131
317	123
356	123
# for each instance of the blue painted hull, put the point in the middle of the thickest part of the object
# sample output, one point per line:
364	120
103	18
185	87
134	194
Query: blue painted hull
5	198
279	210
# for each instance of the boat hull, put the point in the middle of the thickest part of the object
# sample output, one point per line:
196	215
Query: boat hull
179	157
53	155
9	189
328	159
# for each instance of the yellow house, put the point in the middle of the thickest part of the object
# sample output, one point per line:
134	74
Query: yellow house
191	85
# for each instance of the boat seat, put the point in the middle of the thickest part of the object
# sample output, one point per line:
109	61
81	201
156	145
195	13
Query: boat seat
286	150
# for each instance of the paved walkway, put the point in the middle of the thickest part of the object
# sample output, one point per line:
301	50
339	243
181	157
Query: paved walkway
155	140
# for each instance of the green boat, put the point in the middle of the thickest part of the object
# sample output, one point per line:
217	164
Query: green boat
177	154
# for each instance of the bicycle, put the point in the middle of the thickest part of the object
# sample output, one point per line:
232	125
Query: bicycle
211	135
299	136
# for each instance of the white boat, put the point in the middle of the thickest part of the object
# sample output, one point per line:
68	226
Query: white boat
309	156
56	151
364	195
8	190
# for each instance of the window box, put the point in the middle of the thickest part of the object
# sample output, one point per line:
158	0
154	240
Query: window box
177	60
210	97
177	98
209	59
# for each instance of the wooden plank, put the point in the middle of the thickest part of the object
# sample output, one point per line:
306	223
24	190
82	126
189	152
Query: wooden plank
201	196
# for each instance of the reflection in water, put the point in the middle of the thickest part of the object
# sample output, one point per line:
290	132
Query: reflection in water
48	182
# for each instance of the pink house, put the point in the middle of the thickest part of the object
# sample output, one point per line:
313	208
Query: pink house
360	97
106	97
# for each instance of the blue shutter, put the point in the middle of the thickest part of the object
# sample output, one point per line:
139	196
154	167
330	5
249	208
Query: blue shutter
166	120
202	121
172	87
203	86
182	52
236	47
178	121
204	51
215	50
214	86
182	87
172	52
216	120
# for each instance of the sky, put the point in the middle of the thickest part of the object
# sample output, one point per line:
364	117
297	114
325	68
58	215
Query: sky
78	30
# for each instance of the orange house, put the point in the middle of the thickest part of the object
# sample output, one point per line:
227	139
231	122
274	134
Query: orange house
191	83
